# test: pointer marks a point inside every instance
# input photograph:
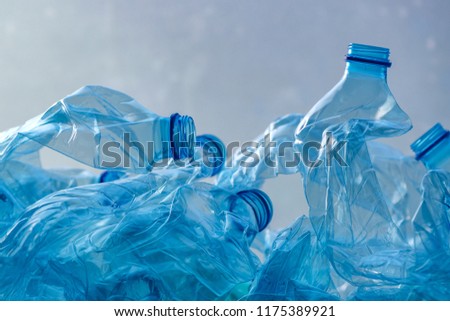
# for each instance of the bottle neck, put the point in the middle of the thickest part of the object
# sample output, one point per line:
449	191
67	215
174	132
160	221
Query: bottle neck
252	212
354	68
367	60
182	136
261	206
433	148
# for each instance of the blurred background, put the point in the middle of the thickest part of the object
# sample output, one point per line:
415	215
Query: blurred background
234	66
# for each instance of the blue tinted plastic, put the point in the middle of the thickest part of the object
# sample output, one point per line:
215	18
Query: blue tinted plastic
433	148
80	126
22	184
362	234
105	129
139	238
297	268
273	154
366	246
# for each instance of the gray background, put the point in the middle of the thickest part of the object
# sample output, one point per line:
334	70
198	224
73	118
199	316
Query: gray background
232	65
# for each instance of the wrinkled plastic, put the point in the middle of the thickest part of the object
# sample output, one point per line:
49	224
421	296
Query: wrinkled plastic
95	125
379	222
301	267
134	239
269	155
22	184
79	126
296	269
365	245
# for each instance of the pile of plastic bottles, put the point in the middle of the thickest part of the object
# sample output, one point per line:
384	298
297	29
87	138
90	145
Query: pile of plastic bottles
146	223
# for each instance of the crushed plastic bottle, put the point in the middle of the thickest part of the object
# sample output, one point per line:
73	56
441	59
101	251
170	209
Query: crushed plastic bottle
363	237
77	126
139	238
307	273
105	129
266	157
365	244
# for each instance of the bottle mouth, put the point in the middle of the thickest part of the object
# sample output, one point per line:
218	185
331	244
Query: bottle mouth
213	151
428	140
261	205
182	136
368	54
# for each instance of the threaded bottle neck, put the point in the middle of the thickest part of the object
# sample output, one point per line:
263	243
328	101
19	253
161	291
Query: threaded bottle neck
261	204
369	60
425	143
182	136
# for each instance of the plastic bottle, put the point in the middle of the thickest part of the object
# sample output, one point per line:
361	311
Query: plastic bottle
139	238
433	148
361	238
80	126
107	129
374	231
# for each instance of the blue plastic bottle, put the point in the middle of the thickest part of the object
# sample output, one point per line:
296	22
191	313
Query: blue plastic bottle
374	232
362	239
140	238
107	129
80	126
433	148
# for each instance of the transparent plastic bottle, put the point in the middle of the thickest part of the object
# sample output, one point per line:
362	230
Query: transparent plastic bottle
140	238
360	236
433	148
362	96
80	126
106	129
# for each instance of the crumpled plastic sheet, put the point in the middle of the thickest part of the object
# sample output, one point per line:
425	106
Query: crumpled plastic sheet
139	238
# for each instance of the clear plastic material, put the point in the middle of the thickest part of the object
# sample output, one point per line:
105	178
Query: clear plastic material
374	231
139	238
266	157
104	129
297	268
362	240
97	126
22	184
